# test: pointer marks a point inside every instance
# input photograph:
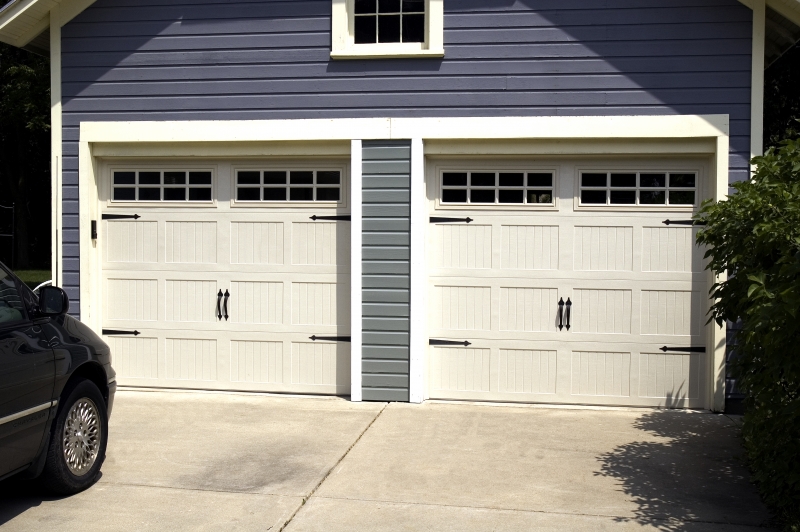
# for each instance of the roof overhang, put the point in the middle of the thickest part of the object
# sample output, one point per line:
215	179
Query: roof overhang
22	21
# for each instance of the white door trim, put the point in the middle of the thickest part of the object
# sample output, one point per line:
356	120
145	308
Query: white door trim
356	296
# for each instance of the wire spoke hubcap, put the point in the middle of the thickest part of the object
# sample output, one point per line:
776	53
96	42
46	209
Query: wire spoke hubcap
81	438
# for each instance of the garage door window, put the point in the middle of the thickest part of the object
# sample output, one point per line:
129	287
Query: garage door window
520	188
638	188
167	185
288	185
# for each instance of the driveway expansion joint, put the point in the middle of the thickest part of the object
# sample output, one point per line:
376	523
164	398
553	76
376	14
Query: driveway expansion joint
333	468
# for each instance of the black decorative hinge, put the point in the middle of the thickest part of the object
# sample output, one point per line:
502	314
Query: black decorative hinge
683	222
109	332
433	341
437	220
94	229
120	217
331	338
345	217
683	349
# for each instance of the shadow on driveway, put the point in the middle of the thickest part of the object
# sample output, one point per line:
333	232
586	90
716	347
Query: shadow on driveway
18	495
692	454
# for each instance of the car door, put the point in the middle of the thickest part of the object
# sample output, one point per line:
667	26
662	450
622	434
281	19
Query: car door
27	369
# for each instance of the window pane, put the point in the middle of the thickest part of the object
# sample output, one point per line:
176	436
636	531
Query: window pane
413	28
248	194
149	178
11	308
482	179
124	178
199	178
301	178
540	180
454	180
389	6
623	197
274	194
274	178
124	194
389	28
511	196
413	6
175	194
454	196
540	196
653	180
512	180
249	178
482	196
366	30
594	180
593	196
652	197
623	180
327	194
301	194
199	194
174	178
149	194
365	6
681	180
681	197
328	178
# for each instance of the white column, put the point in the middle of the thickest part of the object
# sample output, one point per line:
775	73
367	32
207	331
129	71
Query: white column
55	145
419	274
355	270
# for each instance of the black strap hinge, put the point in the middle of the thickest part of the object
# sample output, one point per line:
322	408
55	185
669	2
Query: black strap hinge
345	217
120	217
330	338
438	220
111	332
683	222
683	349
434	341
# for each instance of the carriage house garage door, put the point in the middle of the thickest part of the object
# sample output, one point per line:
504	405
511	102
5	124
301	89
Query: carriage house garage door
566	283
225	277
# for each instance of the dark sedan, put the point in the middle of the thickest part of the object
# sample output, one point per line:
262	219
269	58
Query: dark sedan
56	389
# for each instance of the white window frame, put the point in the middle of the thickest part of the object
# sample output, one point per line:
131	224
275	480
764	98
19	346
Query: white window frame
343	44
292	166
108	188
499	167
697	189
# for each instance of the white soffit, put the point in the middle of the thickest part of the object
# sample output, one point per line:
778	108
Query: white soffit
21	21
788	8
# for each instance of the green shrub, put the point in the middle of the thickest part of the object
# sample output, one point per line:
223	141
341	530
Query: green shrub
754	236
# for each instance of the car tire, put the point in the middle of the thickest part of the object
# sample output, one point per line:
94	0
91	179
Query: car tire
78	440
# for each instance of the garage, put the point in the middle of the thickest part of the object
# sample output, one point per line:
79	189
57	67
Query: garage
227	275
560	281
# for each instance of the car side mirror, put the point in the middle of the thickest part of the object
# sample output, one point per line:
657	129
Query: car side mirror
53	301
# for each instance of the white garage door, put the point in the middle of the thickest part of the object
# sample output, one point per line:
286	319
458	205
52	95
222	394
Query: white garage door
222	278
590	237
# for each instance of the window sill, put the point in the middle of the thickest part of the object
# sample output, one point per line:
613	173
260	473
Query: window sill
383	52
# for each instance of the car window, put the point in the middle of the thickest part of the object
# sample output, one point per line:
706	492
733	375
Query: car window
11	305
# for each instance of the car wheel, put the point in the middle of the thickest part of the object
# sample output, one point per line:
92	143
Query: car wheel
78	442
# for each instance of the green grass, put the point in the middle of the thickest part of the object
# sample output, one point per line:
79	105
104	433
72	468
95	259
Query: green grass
32	278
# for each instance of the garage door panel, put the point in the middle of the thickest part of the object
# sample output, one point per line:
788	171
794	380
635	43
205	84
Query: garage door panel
601	374
190	300
528	309
672	377
459	369
131	242
320	304
320	364
530	247
132	299
602	248
601	311
527	371
262	362
134	357
670	249
671	312
320	243
190	359
461	246
257	243
190	242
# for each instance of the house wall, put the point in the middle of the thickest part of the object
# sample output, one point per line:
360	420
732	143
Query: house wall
192	60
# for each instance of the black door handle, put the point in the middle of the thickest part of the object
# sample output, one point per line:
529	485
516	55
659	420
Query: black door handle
219	301
225	305
569	312
560	313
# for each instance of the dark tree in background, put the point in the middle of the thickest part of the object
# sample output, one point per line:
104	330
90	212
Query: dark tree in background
25	155
782	98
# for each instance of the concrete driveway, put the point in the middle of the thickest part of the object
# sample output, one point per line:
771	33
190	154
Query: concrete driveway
202	461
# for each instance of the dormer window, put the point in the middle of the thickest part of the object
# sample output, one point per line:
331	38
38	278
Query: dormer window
386	28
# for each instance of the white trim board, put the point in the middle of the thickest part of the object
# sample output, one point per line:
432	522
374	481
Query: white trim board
356	295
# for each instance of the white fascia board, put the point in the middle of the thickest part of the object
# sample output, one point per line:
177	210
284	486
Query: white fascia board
556	127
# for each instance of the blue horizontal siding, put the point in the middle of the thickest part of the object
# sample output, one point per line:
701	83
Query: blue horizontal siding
269	59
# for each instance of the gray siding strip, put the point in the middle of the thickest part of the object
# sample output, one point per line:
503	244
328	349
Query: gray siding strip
386	264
